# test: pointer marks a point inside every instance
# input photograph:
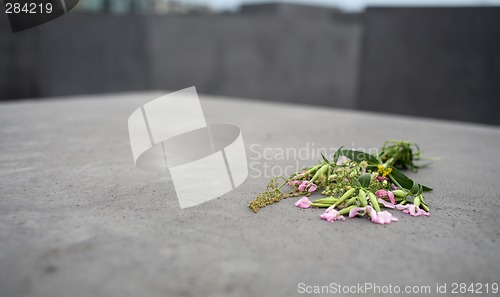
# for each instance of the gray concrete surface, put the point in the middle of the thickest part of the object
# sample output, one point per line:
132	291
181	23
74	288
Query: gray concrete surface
78	219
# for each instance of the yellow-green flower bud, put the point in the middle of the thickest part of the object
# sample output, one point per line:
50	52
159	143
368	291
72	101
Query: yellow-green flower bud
330	200
320	205
373	201
344	197
362	198
416	201
399	193
346	210
320	173
351	201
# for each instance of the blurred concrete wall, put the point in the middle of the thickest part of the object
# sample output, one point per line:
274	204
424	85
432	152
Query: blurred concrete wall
260	56
283	59
434	62
75	54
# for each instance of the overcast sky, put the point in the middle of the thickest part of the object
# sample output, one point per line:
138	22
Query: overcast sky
352	4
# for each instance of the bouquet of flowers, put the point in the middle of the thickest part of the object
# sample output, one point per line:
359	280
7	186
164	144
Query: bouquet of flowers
356	184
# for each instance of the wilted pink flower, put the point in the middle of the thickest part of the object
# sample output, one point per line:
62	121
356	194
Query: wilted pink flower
386	194
381	178
331	215
385	203
394	187
373	212
412	210
357	211
312	188
307	185
384	217
294	182
303	185
303	202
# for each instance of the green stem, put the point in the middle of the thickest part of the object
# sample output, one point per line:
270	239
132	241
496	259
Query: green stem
396	182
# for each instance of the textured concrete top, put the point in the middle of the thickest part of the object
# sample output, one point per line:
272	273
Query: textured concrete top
78	219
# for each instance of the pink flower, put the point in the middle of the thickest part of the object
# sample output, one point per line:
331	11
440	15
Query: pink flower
303	202
307	185
394	187
381	178
384	217
385	194
357	211
373	212
312	188
412	210
303	185
385	203
331	215
294	182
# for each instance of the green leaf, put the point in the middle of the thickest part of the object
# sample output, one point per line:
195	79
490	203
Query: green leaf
401	180
365	180
426	189
407	183
325	159
337	155
358	156
415	189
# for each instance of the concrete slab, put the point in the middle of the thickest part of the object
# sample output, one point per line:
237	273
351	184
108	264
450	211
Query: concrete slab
78	219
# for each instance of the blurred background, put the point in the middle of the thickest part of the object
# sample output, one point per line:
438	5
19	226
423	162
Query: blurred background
438	59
